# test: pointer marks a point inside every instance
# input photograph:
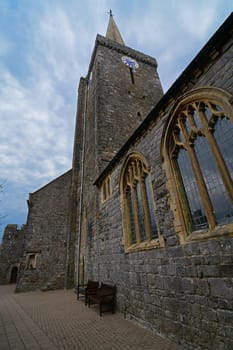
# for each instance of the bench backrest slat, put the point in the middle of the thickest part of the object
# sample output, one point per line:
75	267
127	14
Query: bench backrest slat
106	289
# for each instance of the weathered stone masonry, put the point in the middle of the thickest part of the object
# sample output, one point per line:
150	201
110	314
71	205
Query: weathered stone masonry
184	292
11	251
111	100
183	288
46	239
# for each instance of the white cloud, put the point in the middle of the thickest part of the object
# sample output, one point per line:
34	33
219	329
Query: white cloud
172	31
37	114
197	21
31	128
55	44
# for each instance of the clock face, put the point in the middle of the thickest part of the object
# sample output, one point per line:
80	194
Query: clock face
130	62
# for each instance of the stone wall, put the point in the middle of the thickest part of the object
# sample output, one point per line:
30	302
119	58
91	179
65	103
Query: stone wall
122	103
11	251
110	108
182	291
44	262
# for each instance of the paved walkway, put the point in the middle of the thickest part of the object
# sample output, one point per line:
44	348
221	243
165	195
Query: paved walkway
56	320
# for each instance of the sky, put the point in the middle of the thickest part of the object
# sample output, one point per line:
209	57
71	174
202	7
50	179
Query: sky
46	46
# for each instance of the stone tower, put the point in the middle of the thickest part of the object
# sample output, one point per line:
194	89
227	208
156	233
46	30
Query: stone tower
120	89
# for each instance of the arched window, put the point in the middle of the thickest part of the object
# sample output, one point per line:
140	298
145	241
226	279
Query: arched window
106	189
140	226
200	150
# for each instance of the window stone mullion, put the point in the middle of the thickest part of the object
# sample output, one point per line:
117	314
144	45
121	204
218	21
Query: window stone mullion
218	157
135	210
200	183
145	209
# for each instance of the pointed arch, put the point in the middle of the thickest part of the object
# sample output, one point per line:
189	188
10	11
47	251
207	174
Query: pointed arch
139	220
198	159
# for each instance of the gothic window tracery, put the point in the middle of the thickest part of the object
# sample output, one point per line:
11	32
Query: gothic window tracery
139	212
200	150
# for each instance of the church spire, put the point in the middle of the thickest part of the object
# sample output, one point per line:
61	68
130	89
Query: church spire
112	30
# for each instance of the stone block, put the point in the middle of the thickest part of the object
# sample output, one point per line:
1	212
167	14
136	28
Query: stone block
221	287
226	316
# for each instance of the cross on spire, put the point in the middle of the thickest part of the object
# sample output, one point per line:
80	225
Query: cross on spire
110	13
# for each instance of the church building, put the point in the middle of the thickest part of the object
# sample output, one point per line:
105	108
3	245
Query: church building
148	203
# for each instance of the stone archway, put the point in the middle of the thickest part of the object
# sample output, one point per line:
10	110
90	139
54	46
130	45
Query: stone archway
14	273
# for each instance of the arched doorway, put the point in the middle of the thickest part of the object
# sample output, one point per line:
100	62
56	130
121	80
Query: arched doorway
14	273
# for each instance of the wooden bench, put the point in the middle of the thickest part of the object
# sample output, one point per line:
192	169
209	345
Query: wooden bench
106	297
90	288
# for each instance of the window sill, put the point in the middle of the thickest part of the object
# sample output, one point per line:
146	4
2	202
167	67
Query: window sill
147	245
218	231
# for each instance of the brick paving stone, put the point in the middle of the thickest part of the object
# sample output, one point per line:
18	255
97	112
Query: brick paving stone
56	320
